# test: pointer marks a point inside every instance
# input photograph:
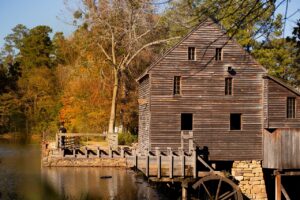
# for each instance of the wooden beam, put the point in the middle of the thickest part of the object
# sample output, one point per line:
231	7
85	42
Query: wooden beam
98	152
147	165
205	164
278	186
157	152
74	152
194	157
291	173
86	152
285	194
122	152
171	164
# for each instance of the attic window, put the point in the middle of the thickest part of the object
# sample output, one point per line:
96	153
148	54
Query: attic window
219	54
291	107
176	85
191	53
235	121
228	86
186	121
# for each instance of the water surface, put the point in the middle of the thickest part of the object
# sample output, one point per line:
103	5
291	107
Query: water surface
21	177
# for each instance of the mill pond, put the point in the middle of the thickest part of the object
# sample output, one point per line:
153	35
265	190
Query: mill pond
21	177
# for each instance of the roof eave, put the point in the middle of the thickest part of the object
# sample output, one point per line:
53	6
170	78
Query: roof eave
282	83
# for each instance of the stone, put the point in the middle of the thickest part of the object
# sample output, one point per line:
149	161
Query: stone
249	174
256	178
255	182
239	178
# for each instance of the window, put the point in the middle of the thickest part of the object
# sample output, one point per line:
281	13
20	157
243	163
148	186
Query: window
191	53
219	53
186	121
290	107
235	121
228	86
176	85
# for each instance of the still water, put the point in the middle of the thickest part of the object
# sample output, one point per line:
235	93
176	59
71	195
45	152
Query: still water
21	177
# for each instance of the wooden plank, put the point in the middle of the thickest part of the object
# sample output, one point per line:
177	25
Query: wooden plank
278	186
158	165
285	194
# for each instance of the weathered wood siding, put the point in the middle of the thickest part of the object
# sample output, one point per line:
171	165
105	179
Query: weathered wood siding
144	114
203	95
282	149
277	98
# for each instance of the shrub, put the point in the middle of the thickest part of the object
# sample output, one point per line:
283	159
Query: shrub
126	138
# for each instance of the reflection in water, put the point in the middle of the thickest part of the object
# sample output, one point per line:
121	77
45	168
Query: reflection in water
21	177
86	182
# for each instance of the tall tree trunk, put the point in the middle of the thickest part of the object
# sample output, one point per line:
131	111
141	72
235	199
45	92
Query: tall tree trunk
112	118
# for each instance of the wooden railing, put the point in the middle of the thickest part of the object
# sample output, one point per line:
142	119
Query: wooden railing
72	140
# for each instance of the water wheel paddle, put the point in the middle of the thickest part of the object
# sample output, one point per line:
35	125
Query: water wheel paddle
215	187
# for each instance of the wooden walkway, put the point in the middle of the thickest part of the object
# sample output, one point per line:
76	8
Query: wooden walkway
171	164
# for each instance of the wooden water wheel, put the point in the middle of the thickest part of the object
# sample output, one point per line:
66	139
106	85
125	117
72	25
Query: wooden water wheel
215	187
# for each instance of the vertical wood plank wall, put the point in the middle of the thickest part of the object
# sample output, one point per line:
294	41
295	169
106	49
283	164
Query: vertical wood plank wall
203	95
282	149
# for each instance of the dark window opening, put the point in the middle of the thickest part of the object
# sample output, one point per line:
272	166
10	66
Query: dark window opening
235	121
219	53
176	85
228	86
186	121
291	107
191	53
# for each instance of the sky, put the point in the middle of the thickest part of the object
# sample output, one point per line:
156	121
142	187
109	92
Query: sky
54	13
31	13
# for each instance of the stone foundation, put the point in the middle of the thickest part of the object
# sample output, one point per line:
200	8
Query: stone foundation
251	179
83	162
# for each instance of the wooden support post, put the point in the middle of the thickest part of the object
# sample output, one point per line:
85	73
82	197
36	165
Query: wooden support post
184	186
182	140
98	152
191	142
171	166
122	152
134	154
147	163
86	152
277	186
182	158
194	160
158	156
59	142
110	152
62	152
56	141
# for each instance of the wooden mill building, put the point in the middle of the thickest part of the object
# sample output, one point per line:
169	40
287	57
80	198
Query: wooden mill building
209	88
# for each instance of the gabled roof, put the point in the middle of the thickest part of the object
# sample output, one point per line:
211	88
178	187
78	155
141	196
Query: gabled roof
213	20
170	50
284	84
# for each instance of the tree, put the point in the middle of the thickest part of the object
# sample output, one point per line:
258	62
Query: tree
245	20
36	48
295	71
122	29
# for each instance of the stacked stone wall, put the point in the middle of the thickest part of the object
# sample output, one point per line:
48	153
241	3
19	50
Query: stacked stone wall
83	162
251	179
